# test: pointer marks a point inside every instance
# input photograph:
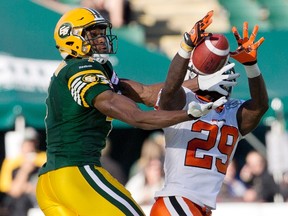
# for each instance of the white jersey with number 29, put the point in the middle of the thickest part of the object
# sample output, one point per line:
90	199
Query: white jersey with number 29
198	153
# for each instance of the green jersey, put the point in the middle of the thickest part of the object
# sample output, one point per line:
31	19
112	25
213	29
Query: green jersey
76	131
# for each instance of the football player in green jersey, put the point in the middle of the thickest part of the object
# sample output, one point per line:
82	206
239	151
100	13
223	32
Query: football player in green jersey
83	98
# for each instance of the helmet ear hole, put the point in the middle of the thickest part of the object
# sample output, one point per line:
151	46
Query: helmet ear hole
74	53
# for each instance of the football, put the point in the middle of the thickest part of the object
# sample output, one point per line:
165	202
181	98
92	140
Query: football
211	54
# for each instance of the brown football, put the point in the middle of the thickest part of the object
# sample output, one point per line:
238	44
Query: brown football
211	54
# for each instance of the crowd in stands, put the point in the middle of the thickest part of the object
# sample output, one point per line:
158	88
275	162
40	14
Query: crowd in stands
252	183
146	174
18	176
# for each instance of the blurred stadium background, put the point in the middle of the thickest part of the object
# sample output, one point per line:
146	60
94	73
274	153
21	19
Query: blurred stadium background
146	45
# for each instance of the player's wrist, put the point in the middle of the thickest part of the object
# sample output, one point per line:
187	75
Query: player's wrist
184	53
250	63
252	71
186	46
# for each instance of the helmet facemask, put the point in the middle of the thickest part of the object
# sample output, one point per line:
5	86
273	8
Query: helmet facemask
191	73
229	88
100	43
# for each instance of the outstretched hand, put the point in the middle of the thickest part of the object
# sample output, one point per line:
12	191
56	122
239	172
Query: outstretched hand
213	82
196	109
246	52
197	33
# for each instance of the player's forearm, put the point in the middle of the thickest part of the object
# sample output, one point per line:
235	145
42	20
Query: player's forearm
157	119
122	108
140	93
172	95
258	92
176	74
252	110
259	96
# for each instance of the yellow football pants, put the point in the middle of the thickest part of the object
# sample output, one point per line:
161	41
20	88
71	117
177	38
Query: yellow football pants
84	191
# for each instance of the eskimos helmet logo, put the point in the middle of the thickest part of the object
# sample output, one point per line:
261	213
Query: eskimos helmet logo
64	30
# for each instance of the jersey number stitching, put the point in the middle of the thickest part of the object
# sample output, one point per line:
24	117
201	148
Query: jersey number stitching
227	141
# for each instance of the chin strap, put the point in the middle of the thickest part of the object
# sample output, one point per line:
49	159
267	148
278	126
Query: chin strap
101	58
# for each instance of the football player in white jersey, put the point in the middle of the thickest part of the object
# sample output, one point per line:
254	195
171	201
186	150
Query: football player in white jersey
198	151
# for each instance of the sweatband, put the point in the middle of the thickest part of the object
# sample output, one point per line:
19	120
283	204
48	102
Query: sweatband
252	70
183	53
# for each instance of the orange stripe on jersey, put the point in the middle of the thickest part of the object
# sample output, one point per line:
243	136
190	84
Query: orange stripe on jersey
196	209
159	208
179	206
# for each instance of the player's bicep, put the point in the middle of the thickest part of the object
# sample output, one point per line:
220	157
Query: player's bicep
84	85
